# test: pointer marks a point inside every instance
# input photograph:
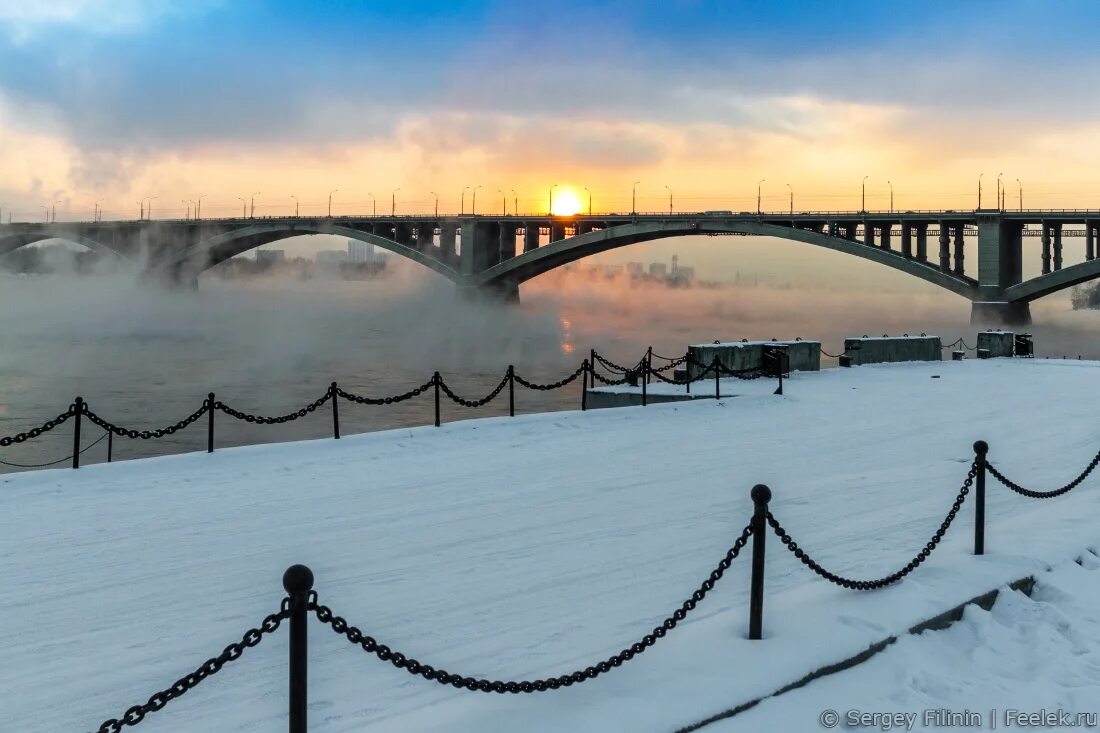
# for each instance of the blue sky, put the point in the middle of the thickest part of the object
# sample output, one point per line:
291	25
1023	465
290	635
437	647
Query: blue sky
123	90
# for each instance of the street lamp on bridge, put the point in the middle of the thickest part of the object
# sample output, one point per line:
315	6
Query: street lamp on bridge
980	189
252	211
295	205
863	196
634	198
55	203
589	200
433	193
669	199
198	207
393	201
149	208
550	205
462	204
791	189
515	201
503	203
182	201
373	204
47	214
335	190
759	188
1021	193
1000	193
473	201
96	212
244	207
891	185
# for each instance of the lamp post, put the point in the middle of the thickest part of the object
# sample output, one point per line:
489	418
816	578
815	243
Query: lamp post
252	210
550	205
97	215
433	193
791	190
373	204
198	207
335	190
589	200
980	189
55	203
46	209
473	201
863	196
295	205
669	199
188	207
759	189
515	201
503	203
149	208
462	205
244	207
891	185
393	201
1021	193
999	204
141	210
634	198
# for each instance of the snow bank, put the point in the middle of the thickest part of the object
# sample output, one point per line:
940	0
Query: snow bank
530	546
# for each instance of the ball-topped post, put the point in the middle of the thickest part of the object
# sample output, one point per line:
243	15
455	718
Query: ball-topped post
981	449
761	495
298	582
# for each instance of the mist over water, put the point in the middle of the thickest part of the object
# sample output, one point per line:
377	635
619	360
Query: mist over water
144	357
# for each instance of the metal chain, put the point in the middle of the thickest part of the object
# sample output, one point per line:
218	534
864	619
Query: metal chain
1044	494
833	356
892	577
700	376
274	420
605	380
146	434
553	385
387	400
68	457
35	432
211	666
474	403
612	366
443	677
667	367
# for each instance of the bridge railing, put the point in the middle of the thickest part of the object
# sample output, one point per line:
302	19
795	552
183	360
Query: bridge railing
589	372
301	600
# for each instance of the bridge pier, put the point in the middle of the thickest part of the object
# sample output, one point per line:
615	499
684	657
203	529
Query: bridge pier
1090	240
945	248
507	241
922	242
960	267
868	233
1058	246
906	241
1046	248
884	234
530	236
1000	313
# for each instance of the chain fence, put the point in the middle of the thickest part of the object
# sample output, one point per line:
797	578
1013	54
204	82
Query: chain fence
289	417
146	434
63	459
1031	494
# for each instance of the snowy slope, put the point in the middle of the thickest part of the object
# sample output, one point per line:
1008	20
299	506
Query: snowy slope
529	547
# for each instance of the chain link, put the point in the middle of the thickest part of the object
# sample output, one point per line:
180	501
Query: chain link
892	577
35	432
554	385
443	677
612	366
146	434
211	666
834	356
474	403
274	420
387	400
68	457
1044	494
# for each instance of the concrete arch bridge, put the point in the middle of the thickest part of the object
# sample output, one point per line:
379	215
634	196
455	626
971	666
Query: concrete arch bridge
495	254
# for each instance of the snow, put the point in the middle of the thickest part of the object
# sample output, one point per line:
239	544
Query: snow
530	546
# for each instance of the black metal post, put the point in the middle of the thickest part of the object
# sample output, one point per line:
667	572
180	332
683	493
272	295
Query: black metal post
645	366
592	364
714	365
437	379
779	368
981	448
78	410
585	367
761	495
335	411
210	423
511	390
110	444
298	582
687	370
648	362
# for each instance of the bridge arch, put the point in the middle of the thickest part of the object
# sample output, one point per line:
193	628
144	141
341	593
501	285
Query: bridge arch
11	242
1043	285
214	250
538	261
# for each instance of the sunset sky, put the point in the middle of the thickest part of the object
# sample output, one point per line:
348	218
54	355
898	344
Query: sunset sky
119	100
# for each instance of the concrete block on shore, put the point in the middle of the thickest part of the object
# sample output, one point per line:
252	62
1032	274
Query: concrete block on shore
805	356
997	343
884	349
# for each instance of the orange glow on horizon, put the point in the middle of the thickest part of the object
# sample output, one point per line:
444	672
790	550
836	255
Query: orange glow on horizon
566	203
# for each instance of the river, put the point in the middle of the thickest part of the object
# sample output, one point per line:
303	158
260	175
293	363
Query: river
144	357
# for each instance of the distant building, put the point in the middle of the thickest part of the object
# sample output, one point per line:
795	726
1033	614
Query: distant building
269	257
685	274
332	257
658	269
635	268
359	252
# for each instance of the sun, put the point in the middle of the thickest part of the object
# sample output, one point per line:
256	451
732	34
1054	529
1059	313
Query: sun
565	203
